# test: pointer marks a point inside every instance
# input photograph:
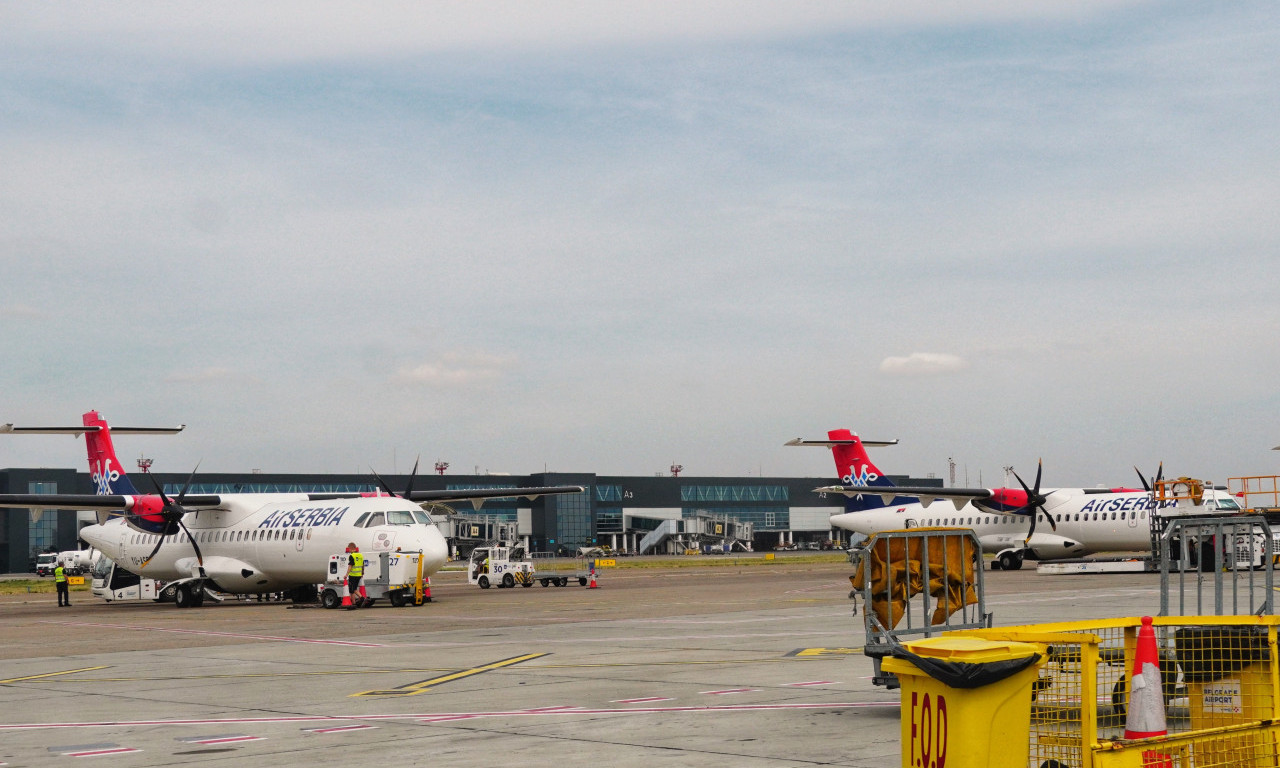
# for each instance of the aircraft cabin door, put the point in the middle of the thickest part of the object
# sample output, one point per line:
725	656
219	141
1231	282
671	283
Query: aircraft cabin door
910	522
1133	518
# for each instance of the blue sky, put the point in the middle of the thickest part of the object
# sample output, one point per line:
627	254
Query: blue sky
591	237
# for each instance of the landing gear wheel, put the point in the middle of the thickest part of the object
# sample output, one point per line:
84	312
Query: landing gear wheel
508	580
197	595
483	581
1010	561
182	596
330	599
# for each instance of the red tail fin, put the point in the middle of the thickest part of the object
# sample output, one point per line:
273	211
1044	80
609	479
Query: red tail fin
104	466
852	463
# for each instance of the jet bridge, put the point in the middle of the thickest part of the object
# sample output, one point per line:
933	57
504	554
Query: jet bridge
699	532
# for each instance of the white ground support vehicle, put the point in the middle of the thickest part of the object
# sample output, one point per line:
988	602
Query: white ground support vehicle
78	562
113	584
503	566
45	563
397	576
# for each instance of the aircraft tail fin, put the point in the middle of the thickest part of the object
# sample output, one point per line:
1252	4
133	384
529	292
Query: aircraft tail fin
105	468
854	468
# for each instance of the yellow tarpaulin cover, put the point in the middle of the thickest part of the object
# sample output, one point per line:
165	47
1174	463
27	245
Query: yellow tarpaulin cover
898	567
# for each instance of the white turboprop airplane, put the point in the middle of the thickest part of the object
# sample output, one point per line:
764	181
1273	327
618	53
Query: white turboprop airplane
1083	520
244	543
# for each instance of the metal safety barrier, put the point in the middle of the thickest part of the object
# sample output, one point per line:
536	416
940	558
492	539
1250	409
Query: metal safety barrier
1217	566
916	583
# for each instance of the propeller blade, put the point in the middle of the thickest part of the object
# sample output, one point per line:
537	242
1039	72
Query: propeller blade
1035	502
412	475
382	482
159	490
194	545
1143	478
187	485
159	541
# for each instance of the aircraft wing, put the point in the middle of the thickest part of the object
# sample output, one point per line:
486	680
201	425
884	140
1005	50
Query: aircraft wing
927	495
107	503
122	503
477	496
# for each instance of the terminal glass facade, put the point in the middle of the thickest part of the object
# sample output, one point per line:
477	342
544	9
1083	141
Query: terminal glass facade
573	520
701	493
43	531
763	518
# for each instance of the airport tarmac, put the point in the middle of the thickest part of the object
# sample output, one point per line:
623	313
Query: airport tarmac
722	666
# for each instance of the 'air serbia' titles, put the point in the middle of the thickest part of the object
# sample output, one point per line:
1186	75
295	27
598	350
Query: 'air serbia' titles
304	517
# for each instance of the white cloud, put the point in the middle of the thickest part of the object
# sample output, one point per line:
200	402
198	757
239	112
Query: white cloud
923	364
22	312
456	369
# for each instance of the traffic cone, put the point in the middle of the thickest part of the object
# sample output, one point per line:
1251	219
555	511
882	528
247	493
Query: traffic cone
1146	696
346	595
593	584
1146	716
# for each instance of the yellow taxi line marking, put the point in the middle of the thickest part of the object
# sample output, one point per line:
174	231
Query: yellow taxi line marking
413	689
801	655
49	674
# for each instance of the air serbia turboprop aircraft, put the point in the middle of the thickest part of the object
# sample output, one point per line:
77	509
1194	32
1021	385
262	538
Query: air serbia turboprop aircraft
244	543
1082	520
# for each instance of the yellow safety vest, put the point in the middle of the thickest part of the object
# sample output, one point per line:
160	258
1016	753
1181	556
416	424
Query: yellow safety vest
59	574
357	565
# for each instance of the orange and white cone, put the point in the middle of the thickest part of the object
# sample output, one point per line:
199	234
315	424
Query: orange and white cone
593	584
346	595
1146	716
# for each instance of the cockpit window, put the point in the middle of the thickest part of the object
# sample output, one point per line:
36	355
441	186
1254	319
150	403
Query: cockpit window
399	517
375	519
422	516
359	523
1227	504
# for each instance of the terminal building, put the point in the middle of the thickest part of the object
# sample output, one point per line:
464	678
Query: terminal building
627	514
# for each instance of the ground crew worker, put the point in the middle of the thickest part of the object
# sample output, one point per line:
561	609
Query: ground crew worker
60	581
355	570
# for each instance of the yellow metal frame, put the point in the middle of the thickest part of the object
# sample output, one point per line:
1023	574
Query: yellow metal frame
1179	489
1260	492
1074	720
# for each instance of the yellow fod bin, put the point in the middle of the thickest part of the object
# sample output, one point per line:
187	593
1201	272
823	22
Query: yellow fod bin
966	702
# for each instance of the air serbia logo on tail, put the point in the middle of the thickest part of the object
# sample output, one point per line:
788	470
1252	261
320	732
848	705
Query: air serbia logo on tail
860	480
